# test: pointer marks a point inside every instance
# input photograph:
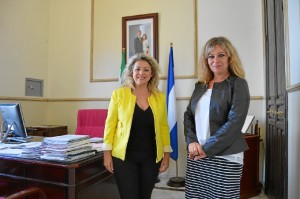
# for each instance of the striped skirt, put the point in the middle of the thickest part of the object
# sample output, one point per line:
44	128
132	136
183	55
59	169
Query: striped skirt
213	179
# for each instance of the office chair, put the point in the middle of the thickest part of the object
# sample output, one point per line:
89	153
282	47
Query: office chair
91	122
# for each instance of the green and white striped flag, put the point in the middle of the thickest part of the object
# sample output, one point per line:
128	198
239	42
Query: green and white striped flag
122	65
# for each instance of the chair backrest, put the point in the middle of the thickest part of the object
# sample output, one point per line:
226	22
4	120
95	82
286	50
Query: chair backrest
91	122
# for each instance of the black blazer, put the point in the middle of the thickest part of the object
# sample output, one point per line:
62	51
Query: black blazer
227	113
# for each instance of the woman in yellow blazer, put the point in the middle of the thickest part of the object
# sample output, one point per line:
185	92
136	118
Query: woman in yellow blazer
136	136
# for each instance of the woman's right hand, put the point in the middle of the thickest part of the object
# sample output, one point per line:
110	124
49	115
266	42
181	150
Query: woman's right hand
108	163
195	151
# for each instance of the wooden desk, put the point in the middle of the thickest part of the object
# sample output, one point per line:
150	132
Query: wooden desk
47	130
250	185
86	179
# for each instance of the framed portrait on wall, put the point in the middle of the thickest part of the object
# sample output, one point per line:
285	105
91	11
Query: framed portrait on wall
140	34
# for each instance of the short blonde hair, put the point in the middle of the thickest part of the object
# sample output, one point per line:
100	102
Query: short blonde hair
235	65
127	75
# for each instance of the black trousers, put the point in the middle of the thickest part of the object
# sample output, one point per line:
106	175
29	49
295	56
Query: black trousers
135	177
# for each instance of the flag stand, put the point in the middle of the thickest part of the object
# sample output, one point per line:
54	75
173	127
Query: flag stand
171	108
176	181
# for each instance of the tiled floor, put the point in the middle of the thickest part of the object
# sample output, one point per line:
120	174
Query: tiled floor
167	194
162	190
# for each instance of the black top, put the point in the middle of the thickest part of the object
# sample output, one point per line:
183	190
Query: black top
141	142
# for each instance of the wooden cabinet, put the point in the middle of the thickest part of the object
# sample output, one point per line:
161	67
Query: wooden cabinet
47	130
250	185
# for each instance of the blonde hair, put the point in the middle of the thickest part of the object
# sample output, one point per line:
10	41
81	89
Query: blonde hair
127	75
235	65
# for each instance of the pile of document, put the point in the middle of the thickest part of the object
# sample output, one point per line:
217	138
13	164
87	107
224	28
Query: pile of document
97	143
31	150
67	148
24	150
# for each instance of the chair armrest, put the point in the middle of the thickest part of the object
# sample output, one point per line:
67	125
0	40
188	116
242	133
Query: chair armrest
34	191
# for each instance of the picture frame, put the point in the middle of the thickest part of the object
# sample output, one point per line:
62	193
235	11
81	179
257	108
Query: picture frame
99	61
140	34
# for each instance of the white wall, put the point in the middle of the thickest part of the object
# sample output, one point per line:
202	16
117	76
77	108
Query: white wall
293	145
24	33
60	52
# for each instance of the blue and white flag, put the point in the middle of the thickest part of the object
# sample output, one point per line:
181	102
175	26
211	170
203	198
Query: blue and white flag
171	107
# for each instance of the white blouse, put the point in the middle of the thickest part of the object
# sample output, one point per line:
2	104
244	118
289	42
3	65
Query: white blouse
202	125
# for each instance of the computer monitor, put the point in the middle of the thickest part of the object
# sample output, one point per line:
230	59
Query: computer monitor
12	120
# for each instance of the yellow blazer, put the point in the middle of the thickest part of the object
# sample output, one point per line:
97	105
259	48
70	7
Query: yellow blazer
119	119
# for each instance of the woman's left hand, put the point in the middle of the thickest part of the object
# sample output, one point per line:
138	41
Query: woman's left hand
164	163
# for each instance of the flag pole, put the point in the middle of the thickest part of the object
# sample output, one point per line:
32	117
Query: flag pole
171	107
176	181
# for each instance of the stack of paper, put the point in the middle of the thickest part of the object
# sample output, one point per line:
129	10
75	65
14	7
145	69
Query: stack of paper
10	152
96	140
23	150
31	150
67	148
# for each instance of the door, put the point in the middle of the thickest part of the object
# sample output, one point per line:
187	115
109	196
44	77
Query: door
276	121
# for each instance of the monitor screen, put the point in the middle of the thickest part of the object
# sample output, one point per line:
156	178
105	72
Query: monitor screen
12	119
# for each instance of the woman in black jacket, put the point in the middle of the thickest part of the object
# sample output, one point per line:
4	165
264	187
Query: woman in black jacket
213	122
